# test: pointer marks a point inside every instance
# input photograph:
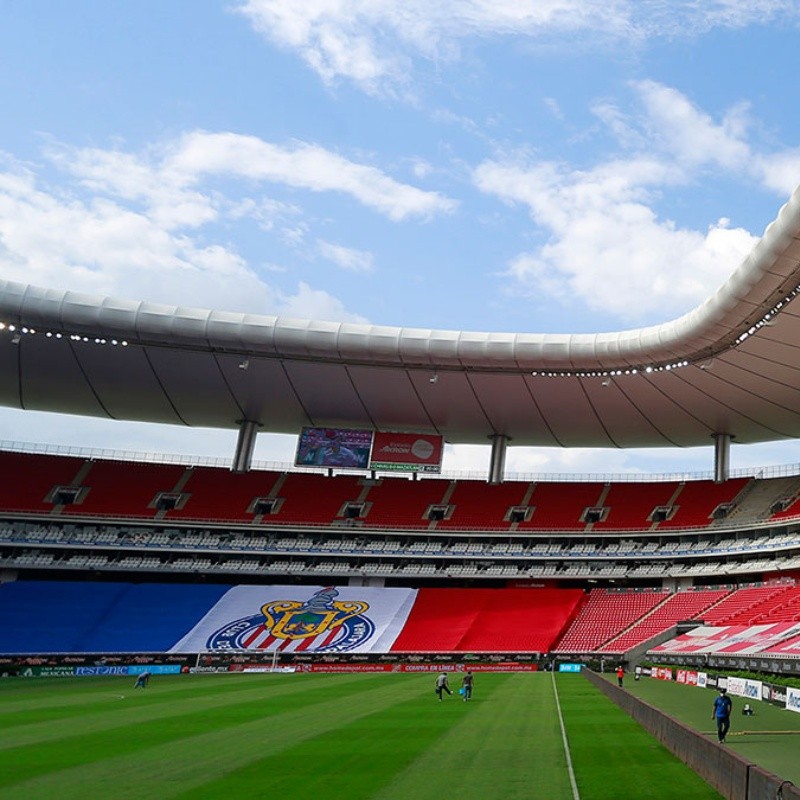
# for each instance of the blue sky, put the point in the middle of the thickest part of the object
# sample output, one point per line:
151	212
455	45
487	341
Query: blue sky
532	165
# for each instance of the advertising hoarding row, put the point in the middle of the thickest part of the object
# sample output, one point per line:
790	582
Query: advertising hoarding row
344	448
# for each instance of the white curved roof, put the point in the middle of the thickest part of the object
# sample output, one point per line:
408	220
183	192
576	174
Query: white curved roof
731	365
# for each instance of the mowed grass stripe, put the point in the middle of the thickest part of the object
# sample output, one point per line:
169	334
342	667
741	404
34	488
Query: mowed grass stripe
28	698
168	769
351	761
112	711
134	729
503	745
506	746
614	757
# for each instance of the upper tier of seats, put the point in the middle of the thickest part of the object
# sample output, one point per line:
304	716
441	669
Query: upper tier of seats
67	486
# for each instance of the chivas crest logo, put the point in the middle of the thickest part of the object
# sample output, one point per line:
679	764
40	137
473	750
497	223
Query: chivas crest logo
321	624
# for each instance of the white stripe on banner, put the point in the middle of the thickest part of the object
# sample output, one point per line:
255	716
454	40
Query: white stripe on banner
349	619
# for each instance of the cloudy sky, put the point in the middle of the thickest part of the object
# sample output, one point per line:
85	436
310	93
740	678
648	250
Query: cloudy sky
497	165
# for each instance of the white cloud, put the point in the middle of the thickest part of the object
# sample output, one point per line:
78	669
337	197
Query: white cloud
779	171
309	303
98	242
606	243
346	257
165	179
139	225
678	127
607	246
375	42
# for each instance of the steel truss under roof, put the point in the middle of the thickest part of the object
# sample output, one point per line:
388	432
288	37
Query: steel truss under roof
730	366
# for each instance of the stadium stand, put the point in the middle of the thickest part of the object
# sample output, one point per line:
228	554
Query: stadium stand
216	494
697	501
605	615
126	489
746	604
484	506
677	607
29	479
560	506
315	499
631	505
402	503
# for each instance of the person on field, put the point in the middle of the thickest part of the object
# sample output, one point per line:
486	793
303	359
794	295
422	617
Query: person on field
442	686
620	675
722	714
466	686
142	680
747	711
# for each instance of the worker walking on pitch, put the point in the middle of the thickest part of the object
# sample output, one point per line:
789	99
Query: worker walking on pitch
466	686
442	686
722	714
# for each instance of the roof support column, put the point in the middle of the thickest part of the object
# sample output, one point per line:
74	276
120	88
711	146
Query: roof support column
497	460
722	456
245	445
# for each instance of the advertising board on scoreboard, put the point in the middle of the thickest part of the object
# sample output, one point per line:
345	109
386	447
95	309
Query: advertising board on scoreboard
407	452
342	448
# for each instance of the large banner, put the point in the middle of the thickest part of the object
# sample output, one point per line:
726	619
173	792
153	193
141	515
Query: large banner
733	639
333	447
407	452
290	619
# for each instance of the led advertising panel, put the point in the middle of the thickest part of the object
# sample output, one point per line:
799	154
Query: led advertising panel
333	447
407	452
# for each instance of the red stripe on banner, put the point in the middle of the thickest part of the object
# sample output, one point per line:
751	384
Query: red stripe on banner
264	644
306	643
254	635
331	636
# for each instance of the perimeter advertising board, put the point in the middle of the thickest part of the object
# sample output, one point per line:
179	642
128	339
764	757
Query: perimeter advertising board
407	452
343	448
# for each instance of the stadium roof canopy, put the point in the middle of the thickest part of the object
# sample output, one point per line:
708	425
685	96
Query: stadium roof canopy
730	366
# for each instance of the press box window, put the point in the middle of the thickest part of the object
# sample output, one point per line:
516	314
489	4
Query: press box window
594	514
723	510
520	513
353	511
67	495
265	506
169	501
439	513
662	513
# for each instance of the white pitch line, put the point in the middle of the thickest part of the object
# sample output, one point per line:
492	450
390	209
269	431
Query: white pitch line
575	794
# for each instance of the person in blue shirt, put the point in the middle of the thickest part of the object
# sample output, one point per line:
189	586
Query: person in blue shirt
722	714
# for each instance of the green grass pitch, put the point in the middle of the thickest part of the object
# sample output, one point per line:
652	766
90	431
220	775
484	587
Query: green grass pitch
337	737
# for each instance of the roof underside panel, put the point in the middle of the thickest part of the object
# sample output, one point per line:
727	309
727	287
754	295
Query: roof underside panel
452	405
652	395
615	402
509	403
139	397
391	396
9	370
569	414
57	382
195	386
327	394
263	391
741	412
